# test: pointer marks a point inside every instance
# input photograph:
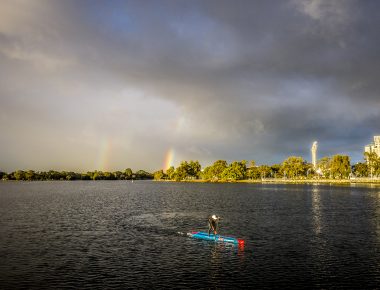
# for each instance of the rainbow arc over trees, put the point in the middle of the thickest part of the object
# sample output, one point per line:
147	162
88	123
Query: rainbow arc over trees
169	159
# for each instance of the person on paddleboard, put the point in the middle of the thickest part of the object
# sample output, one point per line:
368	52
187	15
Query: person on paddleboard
213	224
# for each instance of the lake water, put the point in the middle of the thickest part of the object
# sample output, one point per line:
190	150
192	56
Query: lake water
119	234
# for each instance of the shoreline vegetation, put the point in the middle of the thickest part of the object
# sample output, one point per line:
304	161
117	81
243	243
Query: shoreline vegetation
336	169
31	175
375	181
294	169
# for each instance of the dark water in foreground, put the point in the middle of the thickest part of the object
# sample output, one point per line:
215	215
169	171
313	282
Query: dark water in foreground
117	234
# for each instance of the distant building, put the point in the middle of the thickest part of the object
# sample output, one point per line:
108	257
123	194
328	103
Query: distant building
314	154
374	147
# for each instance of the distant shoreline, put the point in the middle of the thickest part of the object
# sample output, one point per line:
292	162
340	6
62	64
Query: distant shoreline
286	181
249	181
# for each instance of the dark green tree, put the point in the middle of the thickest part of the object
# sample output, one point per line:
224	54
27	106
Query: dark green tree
30	175
98	175
85	176
142	174
128	173
181	172
19	175
276	171
119	175
360	169
194	169
109	176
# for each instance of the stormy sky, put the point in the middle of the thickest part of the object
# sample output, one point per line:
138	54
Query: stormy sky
107	85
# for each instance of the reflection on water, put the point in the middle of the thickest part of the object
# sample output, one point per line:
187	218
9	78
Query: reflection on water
225	256
240	248
216	264
316	205
377	222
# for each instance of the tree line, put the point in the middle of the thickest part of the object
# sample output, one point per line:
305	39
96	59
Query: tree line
293	167
31	175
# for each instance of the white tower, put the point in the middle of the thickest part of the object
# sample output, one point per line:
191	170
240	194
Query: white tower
314	154
374	147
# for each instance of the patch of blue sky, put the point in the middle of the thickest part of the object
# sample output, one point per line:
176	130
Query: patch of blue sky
114	18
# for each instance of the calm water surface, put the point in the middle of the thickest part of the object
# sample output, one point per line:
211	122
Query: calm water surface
118	234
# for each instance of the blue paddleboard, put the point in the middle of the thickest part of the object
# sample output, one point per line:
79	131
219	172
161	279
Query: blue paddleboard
215	238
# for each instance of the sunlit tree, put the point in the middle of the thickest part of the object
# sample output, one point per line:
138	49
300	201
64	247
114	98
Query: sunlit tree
170	173
235	171
293	167
340	166
373	162
158	175
323	165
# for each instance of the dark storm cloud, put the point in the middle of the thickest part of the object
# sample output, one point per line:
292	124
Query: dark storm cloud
211	79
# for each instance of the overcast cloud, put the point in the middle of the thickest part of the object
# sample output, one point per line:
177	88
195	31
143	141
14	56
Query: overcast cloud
107	85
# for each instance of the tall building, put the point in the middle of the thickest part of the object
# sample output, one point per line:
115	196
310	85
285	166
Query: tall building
374	147
314	154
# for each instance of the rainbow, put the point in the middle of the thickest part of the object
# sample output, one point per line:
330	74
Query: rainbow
104	155
169	159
